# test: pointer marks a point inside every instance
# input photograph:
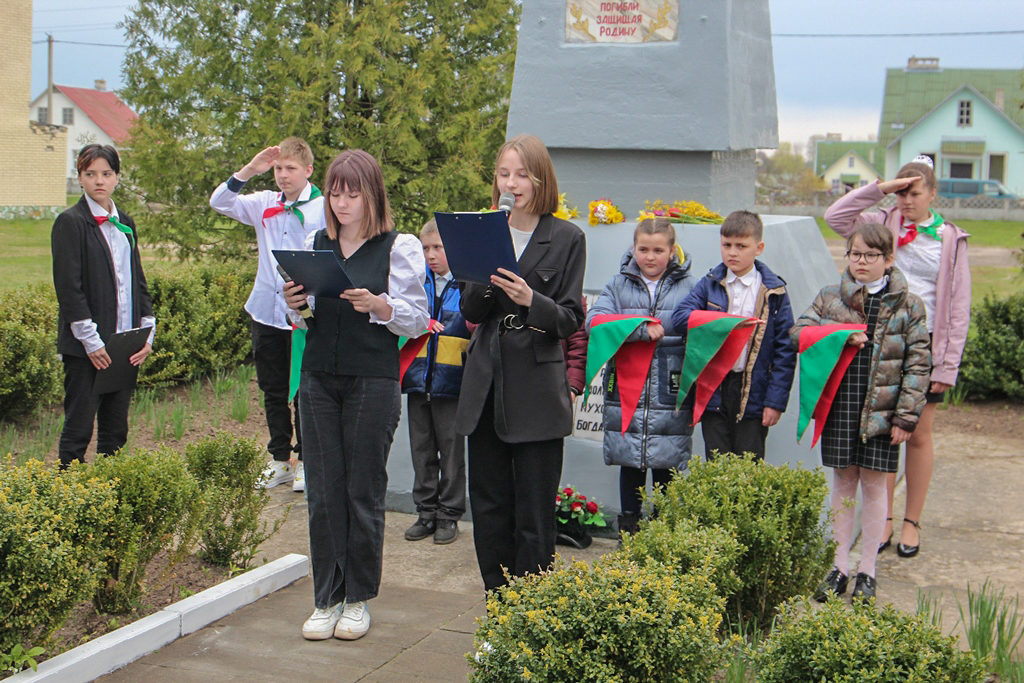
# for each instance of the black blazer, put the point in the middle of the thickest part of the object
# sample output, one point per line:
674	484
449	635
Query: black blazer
83	276
526	367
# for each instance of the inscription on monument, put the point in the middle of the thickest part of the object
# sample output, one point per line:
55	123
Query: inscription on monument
632	21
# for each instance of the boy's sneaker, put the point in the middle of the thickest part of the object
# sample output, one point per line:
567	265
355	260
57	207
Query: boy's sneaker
354	623
320	626
447	531
299	483
277	472
421	529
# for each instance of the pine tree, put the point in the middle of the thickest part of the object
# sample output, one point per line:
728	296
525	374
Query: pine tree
422	85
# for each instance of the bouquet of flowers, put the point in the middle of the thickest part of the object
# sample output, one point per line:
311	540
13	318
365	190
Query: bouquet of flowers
570	505
603	211
680	212
564	212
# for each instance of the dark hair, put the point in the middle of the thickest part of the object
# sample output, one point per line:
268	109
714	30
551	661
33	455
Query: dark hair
537	161
875	236
656	226
917	168
356	170
743	224
91	153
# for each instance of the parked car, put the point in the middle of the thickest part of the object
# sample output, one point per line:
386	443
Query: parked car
965	187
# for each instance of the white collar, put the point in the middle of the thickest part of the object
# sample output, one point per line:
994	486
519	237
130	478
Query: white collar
443	278
876	286
746	280
303	196
98	210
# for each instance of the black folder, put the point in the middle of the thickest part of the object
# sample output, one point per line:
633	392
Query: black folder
319	272
476	244
121	374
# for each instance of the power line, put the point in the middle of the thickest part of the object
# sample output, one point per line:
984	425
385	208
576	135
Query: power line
897	35
77	42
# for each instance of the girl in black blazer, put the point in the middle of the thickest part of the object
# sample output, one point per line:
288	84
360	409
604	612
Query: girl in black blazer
514	405
101	290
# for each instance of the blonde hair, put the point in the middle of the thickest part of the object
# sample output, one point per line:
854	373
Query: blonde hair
429	228
537	161
357	171
297	149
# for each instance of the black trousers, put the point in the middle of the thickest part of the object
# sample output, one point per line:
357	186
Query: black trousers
512	490
723	433
632	480
438	458
82	407
272	353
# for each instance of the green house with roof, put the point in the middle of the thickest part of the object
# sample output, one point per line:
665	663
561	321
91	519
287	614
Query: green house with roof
845	165
969	121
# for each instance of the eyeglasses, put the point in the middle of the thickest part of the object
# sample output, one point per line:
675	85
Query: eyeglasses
868	256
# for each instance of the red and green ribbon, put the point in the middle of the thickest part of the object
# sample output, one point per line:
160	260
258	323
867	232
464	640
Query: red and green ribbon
713	343
608	333
293	207
100	220
409	348
825	354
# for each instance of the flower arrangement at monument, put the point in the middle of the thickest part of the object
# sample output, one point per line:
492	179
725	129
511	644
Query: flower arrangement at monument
576	515
603	211
680	212
564	211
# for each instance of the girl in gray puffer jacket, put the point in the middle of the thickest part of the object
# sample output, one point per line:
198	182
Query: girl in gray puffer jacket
654	278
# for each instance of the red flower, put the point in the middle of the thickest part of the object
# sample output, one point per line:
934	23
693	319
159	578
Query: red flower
567	491
591	507
576	507
558	498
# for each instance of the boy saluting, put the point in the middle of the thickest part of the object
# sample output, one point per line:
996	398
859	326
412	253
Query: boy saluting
281	220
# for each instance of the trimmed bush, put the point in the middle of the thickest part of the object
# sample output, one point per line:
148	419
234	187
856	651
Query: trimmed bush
158	504
618	621
51	531
993	362
31	375
776	515
861	645
229	471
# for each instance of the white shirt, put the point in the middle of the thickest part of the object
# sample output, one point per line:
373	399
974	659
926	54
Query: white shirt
919	261
406	294
441	281
520	238
120	248
652	287
742	293
266	303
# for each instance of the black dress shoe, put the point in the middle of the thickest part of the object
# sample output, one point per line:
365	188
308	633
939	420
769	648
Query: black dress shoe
834	584
864	587
909	550
888	541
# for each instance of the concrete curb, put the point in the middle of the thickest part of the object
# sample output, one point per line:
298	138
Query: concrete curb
114	650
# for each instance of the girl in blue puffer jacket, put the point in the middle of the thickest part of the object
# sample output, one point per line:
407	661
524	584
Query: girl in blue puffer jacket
654	278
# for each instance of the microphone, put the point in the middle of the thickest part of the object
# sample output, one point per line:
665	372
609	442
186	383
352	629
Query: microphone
304	310
506	201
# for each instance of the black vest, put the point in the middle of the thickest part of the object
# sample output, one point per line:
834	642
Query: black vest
342	341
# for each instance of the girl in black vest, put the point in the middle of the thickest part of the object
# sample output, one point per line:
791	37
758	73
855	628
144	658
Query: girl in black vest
349	395
514	404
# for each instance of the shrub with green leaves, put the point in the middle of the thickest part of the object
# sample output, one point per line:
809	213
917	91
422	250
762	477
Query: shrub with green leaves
685	546
993	362
838	644
51	531
618	621
30	372
158	507
776	515
229	470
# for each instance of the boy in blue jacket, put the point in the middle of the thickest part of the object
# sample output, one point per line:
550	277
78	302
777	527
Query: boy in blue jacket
433	382
754	394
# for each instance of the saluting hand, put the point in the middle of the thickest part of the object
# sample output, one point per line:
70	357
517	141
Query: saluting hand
261	163
514	286
897	184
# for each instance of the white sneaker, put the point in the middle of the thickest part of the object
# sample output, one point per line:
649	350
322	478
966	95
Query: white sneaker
299	483
276	472
354	623
320	626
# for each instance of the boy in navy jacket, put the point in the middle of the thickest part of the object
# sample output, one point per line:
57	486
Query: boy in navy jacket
753	396
433	382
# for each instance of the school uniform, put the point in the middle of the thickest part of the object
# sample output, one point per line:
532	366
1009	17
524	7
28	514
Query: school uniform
101	290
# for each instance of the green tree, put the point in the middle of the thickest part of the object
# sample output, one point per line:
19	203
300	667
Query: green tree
423	85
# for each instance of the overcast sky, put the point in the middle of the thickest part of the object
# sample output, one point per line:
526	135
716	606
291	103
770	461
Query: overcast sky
824	84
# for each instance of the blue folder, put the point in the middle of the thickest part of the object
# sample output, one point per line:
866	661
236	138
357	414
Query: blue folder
319	272
476	244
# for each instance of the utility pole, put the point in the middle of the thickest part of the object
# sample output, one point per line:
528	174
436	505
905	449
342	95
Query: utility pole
49	79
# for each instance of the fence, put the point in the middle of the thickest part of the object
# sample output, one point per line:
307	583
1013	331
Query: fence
979	208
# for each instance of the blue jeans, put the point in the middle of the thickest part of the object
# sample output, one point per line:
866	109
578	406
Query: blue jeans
348	424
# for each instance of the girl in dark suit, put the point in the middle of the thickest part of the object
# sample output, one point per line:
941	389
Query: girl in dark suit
101	290
514	405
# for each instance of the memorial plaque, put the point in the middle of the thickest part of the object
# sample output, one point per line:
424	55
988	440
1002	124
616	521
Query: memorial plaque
637	21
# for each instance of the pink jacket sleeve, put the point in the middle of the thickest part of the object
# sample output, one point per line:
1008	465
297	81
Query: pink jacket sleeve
850	210
949	341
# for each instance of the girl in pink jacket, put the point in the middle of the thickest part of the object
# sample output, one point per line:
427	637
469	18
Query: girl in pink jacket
932	253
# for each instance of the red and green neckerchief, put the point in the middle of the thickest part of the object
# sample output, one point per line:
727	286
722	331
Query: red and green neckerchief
100	220
409	348
932	230
298	348
314	193
824	357
608	333
713	343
